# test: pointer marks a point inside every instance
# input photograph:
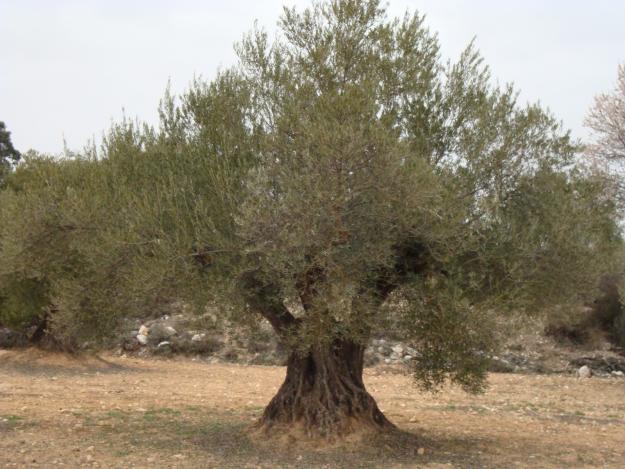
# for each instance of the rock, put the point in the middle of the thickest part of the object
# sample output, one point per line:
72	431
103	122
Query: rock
130	344
601	363
142	339
161	332
371	357
421	451
407	358
143	330
500	365
395	356
170	330
584	372
618	374
397	349
197	337
9	338
164	344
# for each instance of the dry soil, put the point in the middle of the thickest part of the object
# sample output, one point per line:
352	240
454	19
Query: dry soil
108	411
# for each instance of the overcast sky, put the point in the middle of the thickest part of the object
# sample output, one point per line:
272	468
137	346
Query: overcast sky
68	68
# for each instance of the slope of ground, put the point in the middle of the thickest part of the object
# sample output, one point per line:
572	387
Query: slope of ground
57	411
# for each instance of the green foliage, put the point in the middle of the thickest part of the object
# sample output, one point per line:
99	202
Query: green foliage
332	170
9	156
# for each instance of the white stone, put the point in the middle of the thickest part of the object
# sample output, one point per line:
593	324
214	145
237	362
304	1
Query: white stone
170	331
163	344
197	337
584	372
142	339
618	373
143	330
398	349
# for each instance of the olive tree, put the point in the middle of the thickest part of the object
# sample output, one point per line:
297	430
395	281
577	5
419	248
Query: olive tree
338	178
375	174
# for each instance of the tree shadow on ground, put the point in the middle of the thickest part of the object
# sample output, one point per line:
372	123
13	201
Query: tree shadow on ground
35	362
225	438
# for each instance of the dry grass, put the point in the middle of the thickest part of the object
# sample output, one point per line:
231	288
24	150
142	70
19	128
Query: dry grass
57	411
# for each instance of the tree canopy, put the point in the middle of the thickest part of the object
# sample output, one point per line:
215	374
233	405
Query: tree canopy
8	154
339	177
606	119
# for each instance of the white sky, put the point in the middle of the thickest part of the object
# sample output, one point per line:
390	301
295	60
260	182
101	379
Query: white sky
68	68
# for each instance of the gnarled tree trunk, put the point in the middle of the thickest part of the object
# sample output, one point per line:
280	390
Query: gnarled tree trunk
324	396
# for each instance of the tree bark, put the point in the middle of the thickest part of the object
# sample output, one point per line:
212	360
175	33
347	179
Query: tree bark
324	396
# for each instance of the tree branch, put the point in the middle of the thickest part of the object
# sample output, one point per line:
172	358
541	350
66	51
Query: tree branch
265	299
411	259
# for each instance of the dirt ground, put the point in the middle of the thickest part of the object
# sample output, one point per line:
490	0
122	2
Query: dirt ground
115	412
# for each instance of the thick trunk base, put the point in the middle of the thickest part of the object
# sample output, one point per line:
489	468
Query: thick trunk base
323	396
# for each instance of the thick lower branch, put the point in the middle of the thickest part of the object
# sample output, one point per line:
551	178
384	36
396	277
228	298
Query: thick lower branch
265	299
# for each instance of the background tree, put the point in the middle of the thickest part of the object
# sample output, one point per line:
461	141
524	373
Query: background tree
335	178
606	119
8	154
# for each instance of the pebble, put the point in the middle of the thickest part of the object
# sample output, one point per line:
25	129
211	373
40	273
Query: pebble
584	372
142	339
170	330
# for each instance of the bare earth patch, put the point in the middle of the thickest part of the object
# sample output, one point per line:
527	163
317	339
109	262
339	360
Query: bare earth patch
109	411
